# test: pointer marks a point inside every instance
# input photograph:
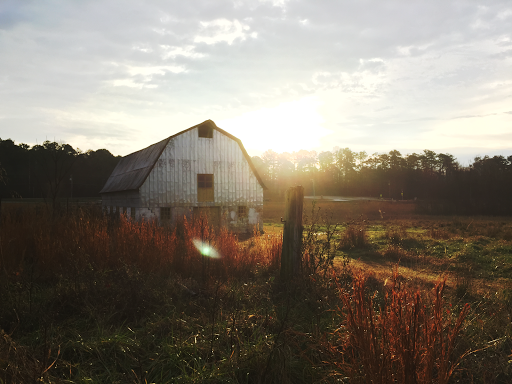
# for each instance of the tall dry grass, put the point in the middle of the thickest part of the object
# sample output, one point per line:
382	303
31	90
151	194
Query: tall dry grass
408	339
354	236
51	245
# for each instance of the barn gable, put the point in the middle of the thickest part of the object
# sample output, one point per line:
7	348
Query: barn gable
203	167
133	169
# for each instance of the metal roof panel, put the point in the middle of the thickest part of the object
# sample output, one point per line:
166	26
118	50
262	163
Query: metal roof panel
133	169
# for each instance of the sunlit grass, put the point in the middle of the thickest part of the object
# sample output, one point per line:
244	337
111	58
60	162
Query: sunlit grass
87	299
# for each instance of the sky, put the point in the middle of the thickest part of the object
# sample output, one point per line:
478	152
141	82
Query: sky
370	75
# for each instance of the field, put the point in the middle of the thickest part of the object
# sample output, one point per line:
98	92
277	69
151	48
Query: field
385	295
425	247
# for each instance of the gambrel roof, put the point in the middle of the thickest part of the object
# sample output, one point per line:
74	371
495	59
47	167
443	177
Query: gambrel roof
133	169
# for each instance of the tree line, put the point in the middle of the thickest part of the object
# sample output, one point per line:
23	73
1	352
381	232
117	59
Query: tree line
52	170
57	170
436	180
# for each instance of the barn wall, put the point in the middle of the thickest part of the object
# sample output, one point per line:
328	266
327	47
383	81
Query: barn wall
129	199
173	180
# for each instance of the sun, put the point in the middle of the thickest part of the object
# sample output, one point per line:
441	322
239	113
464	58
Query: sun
288	127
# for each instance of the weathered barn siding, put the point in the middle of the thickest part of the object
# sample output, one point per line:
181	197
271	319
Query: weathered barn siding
173	180
163	176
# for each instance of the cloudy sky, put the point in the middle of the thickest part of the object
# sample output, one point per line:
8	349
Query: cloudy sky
373	75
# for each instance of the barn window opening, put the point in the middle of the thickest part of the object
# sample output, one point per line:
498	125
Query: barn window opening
242	211
132	213
124	211
205	131
204	187
165	213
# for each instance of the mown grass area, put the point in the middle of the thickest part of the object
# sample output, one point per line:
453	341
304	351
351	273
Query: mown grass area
84	298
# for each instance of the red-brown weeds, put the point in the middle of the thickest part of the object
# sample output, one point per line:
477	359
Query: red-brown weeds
355	236
406	340
80	241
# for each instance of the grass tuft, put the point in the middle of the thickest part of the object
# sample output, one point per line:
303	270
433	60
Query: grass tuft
354	236
396	235
404	340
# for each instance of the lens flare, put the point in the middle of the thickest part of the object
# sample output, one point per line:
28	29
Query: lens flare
205	249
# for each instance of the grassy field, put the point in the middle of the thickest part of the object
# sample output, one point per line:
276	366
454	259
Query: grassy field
460	248
386	295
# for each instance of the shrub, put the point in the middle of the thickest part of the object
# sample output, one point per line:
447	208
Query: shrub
396	235
37	245
18	366
405	340
396	253
354	236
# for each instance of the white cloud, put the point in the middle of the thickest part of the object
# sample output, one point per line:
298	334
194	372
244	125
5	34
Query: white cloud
413	49
222	30
480	24
382	73
364	81
142	49
174	51
502	15
154	70
276	3
141	77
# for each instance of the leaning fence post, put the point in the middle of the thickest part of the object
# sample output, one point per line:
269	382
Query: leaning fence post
292	233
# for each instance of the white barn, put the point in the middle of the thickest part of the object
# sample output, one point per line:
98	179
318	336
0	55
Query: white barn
201	170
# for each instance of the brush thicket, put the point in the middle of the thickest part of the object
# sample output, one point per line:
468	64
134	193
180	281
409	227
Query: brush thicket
407	339
54	245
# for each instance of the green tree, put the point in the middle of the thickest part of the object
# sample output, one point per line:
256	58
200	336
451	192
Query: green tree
346	162
412	161
447	163
271	161
91	171
3	182
429	161
360	160
396	160
55	162
326	161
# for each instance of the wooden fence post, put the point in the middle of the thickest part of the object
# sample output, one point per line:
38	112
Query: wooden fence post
292	233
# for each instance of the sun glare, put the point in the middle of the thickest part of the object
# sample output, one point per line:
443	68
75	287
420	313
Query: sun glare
205	249
289	127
